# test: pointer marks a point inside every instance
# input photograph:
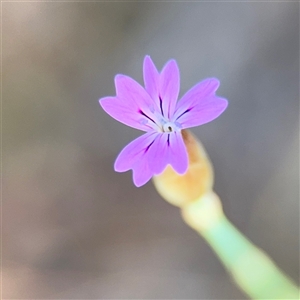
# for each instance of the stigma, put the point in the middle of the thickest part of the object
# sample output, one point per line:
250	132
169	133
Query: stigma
169	127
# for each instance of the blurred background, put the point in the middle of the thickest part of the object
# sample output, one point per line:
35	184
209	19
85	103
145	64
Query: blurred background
75	229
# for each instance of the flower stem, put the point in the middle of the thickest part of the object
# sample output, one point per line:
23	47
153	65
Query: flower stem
252	270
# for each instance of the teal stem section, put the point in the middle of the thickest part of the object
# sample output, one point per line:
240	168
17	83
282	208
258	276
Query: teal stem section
253	271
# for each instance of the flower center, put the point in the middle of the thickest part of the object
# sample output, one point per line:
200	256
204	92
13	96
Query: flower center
169	127
159	123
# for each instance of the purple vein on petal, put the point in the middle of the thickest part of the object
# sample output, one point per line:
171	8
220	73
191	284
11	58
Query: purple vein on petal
160	105
206	111
178	157
134	95
169	85
200	105
196	94
158	154
122	112
150	109
134	151
189	109
142	113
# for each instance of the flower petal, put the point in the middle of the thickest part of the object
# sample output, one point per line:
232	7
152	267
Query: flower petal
200	105
141	173
125	114
169	88
134	95
158	153
134	152
178	157
134	156
150	153
168	148
132	106
151	79
206	111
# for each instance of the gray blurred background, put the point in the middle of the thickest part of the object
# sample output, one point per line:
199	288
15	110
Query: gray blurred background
75	229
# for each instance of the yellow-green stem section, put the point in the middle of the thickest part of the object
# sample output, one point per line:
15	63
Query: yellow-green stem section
253	271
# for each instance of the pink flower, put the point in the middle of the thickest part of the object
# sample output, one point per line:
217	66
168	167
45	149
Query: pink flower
154	109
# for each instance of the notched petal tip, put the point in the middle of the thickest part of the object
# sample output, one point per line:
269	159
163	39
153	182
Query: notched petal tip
105	102
147	58
183	169
171	62
120	77
149	69
148	64
118	166
214	79
141	174
220	106
138	183
223	103
170	69
213	82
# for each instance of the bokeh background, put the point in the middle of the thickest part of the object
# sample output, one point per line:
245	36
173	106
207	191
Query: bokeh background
75	229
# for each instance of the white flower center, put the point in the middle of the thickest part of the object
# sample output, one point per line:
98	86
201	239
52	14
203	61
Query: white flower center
159	123
169	127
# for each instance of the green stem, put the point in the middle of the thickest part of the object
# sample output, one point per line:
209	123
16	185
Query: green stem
253	271
251	268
